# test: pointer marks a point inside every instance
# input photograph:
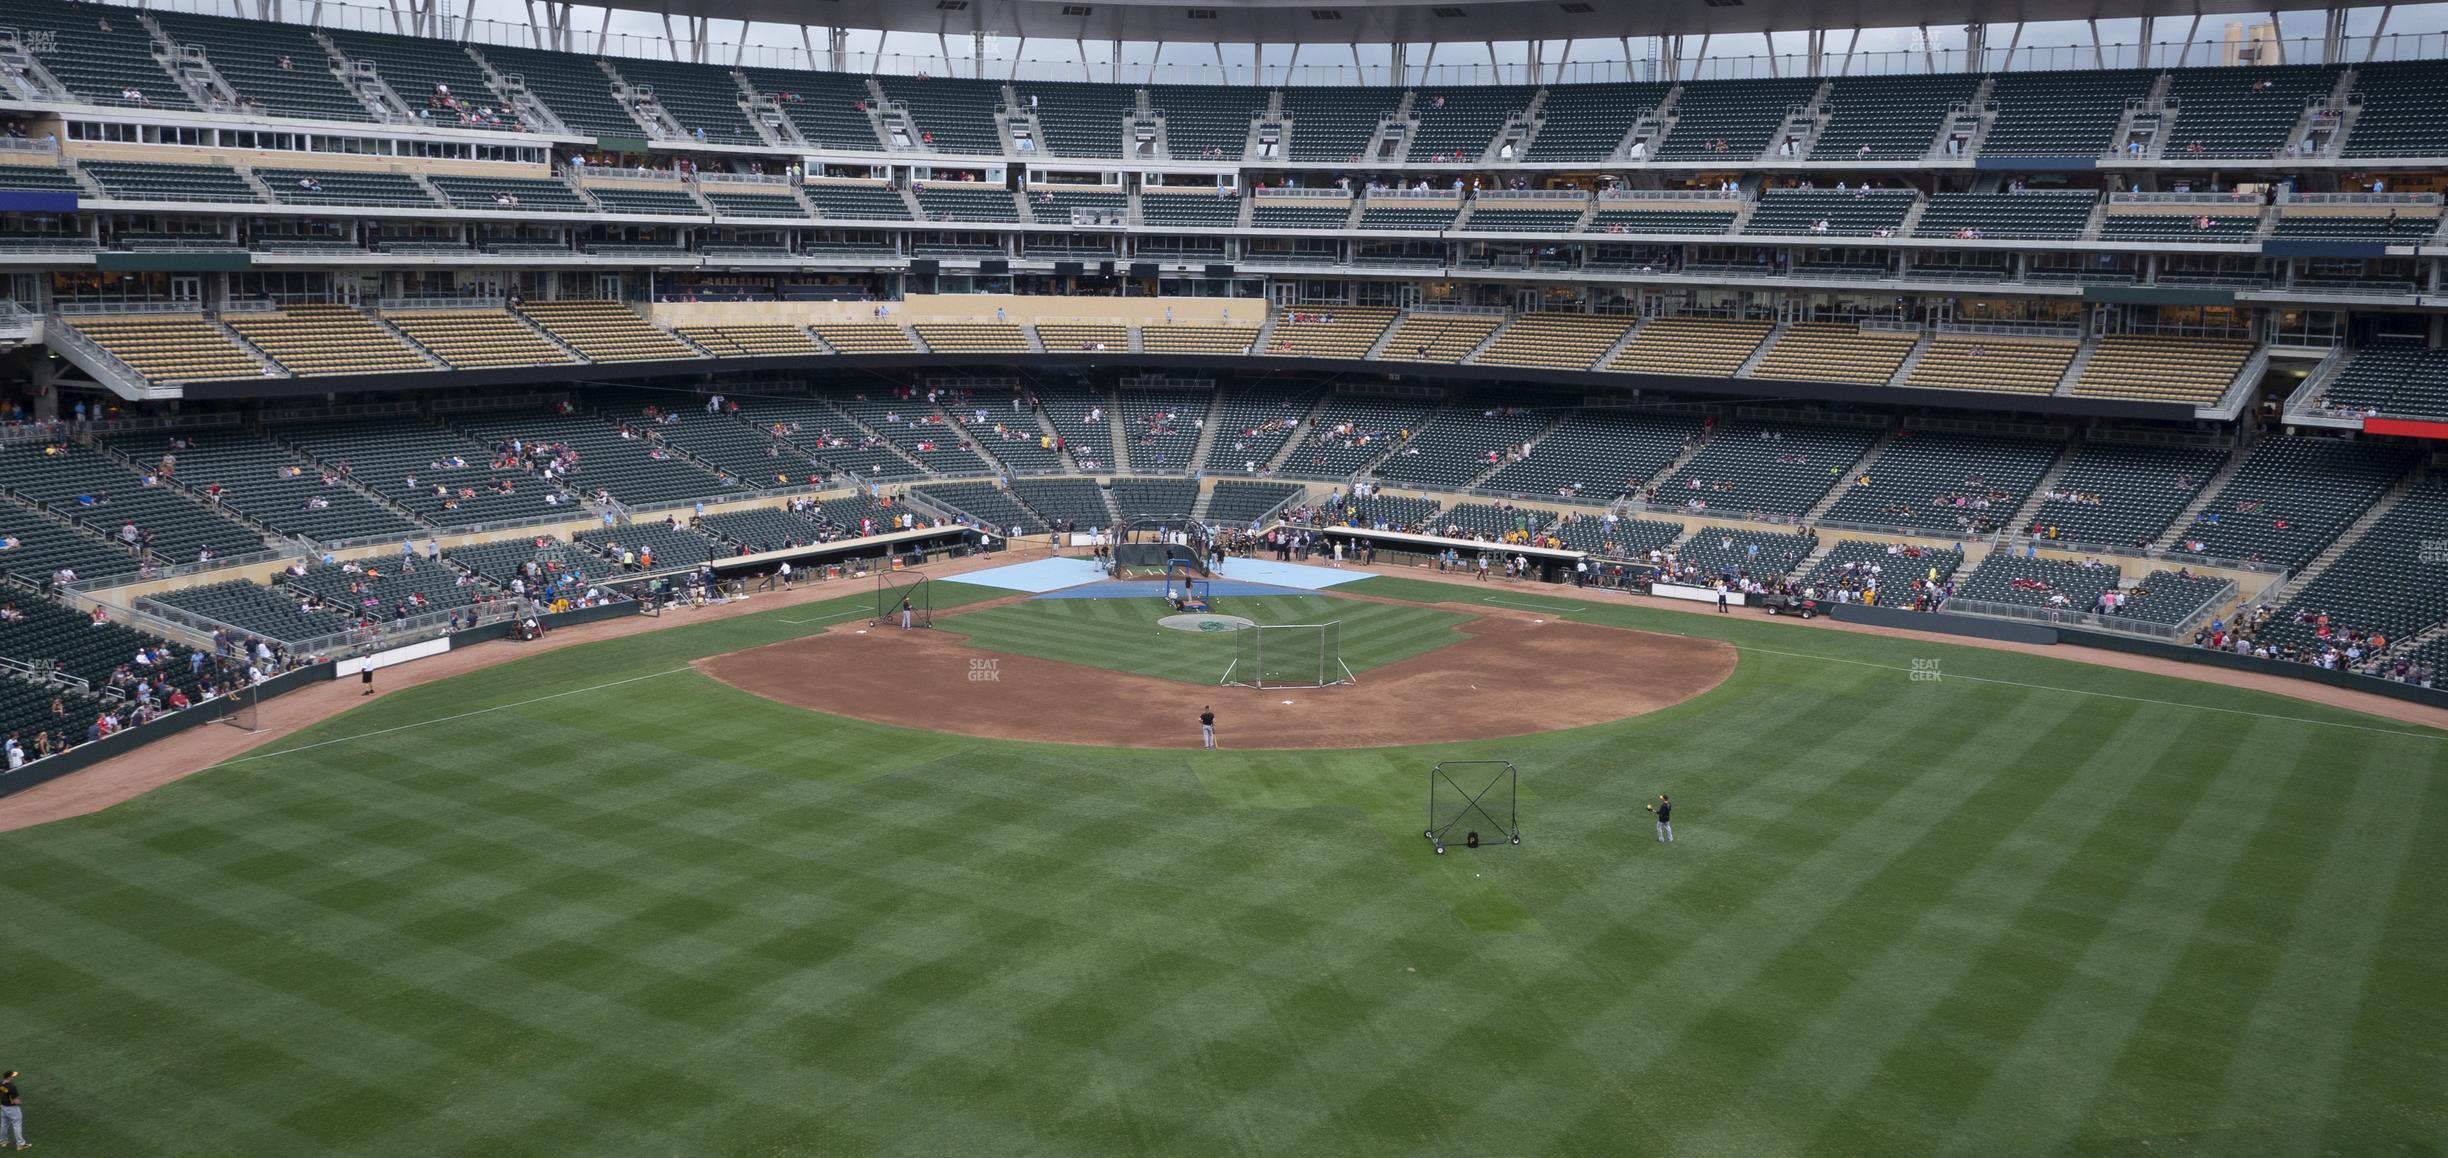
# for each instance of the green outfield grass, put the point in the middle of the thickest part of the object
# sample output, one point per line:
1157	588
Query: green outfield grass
1122	634
591	902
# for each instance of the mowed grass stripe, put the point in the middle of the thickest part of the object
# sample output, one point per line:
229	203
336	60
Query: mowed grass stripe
1123	634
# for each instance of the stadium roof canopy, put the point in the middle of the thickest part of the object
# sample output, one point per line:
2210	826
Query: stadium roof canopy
1424	21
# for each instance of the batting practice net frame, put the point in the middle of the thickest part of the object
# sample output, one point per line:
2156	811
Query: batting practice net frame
1470	795
238	709
892	587
1289	655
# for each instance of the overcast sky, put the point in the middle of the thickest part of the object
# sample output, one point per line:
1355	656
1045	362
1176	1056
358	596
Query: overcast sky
641	33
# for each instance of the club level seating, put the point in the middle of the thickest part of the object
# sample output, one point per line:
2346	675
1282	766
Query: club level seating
828	108
1434	337
1253	423
972	337
1352	433
37	179
865	337
857	202
1943	481
1587	122
1512	220
1225	339
1460	444
942	204
274	68
959	114
2163	369
750	453
1235	502
1777	469
1208	121
1696	222
1852	213
2226	228
168	347
1054	206
2241	112
1555	341
531	194
629	468
1834	352
1596	456
326	340
2049	214
2380	584
1299	215
2365	226
345	187
1078	119
1697	347
2073	113
1163	427
1743	115
255	609
2404	110
1328	331
605	331
1406	217
414	65
1065	503
474	339
573	86
2034	582
148	181
660	546
2122	494
1194	209
702	97
1889	118
97	56
751	340
985	504
1083	337
2011	365
2291	497
1886	569
742	203
1743	552
662	202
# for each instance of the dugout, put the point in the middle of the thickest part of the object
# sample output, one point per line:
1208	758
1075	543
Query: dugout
1550	564
865	553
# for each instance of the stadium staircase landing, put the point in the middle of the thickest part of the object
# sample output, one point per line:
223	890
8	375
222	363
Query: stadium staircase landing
2209	490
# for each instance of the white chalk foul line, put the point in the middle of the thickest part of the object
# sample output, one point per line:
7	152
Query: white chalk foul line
446	719
822	618
1531	606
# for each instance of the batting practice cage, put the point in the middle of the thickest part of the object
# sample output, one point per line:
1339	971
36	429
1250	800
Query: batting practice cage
894	586
1185	590
1289	655
1467	796
1150	545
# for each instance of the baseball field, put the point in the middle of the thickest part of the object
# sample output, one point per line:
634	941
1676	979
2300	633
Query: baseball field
681	892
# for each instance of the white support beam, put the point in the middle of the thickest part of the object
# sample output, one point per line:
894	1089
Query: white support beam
2150	25
2378	32
2012	43
1562	60
1929	50
739	46
2099	54
1223	71
2277	39
1702	59
1770	37
2190	34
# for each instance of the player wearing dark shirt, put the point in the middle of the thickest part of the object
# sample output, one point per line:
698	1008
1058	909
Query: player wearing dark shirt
1207	726
12	1113
1665	818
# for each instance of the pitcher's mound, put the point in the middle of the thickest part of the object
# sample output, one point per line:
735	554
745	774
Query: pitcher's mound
1510	677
